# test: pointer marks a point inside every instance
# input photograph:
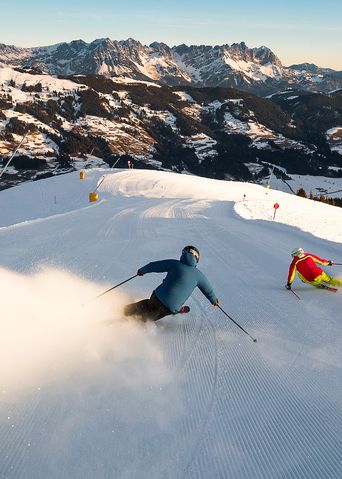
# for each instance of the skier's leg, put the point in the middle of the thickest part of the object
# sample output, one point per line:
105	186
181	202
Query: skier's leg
148	309
137	309
324	278
317	281
328	279
158	310
335	282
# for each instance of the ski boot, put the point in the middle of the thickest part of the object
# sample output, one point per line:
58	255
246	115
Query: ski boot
184	309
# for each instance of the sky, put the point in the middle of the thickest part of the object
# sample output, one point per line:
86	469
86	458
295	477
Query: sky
296	31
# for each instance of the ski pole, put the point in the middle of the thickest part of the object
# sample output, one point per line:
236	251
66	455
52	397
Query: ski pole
337	264
237	324
113	287
295	294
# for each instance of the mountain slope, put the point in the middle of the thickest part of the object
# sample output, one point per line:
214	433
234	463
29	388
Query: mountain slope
193	397
82	120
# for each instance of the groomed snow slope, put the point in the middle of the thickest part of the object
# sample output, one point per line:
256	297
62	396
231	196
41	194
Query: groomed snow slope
85	394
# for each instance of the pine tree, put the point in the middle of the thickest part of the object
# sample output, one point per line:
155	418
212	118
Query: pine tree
301	192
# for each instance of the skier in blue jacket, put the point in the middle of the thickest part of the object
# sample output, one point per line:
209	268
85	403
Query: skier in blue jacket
181	279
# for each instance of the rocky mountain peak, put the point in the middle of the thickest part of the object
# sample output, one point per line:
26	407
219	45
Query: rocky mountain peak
256	69
264	55
161	48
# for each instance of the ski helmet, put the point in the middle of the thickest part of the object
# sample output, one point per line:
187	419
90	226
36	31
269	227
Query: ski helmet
193	250
297	252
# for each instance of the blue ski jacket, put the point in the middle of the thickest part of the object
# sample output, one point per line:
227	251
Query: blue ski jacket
181	279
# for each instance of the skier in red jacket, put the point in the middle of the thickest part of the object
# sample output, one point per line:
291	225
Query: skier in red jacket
308	271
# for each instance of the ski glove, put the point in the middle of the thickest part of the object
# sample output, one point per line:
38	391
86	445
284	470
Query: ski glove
330	262
217	302
139	273
288	286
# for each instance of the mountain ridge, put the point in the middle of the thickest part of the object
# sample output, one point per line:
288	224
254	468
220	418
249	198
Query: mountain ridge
256	69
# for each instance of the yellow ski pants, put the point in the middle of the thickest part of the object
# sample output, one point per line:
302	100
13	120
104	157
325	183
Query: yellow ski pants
322	278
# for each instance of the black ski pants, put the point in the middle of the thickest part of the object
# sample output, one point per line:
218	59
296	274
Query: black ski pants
148	309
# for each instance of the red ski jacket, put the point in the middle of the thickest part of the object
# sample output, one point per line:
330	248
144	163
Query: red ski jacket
306	267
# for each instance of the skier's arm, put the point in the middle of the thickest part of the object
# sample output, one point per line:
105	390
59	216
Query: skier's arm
208	291
292	272
162	266
319	260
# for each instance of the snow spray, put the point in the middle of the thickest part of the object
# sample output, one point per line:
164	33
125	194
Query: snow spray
47	334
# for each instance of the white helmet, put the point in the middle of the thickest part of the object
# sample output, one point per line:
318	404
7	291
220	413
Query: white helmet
297	252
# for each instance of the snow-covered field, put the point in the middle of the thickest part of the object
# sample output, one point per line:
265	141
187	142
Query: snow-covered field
317	185
86	394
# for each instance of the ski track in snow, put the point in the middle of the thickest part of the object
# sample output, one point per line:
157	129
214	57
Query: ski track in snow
222	407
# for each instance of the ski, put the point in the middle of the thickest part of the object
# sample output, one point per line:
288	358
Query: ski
328	288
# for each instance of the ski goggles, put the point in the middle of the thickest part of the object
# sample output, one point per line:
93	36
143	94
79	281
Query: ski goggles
297	252
193	252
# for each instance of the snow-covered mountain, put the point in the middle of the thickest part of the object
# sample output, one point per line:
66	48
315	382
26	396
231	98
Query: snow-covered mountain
213	132
86	394
236	66
312	68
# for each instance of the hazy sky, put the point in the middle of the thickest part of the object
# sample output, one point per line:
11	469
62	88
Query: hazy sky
296	30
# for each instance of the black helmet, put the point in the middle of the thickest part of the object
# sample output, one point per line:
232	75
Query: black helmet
193	250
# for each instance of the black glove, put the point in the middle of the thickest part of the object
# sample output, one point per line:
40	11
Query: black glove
139	273
288	286
330	262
